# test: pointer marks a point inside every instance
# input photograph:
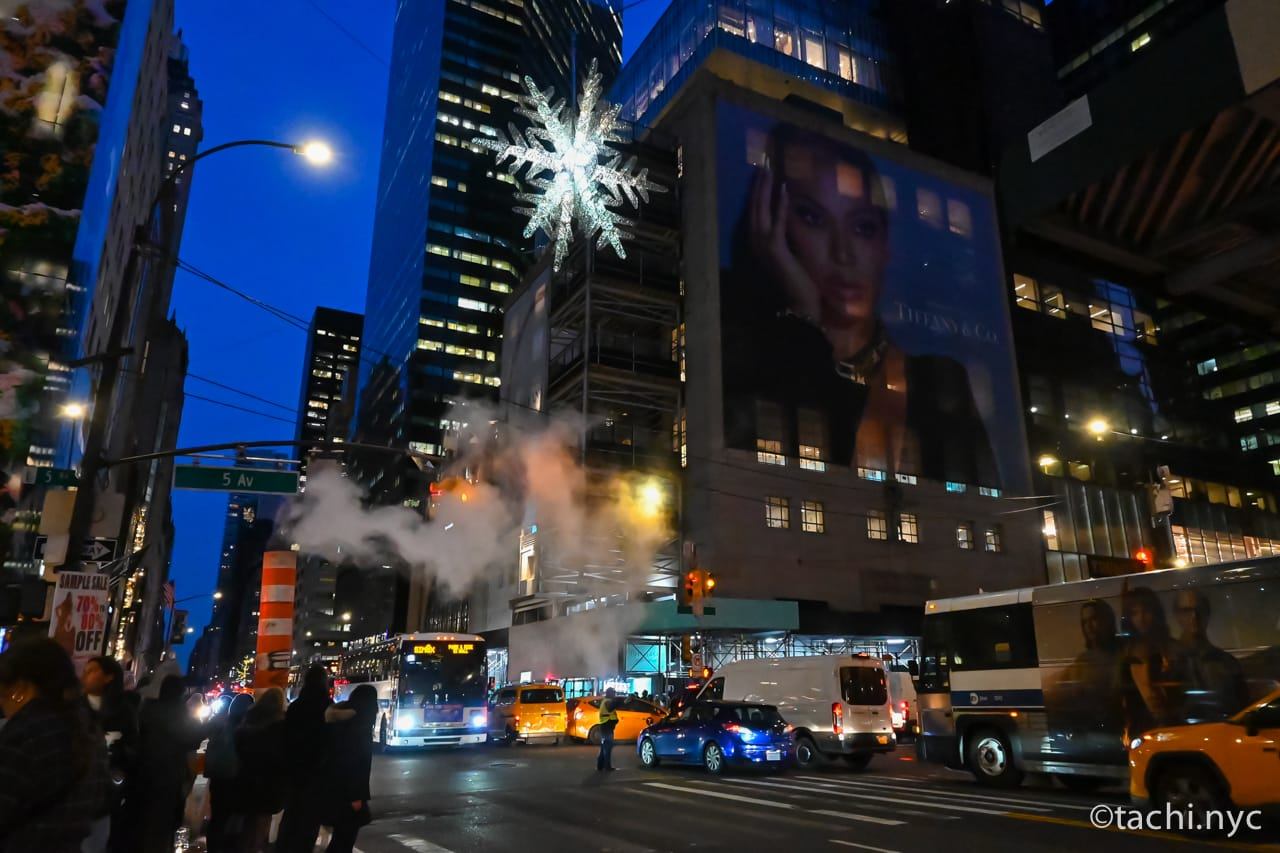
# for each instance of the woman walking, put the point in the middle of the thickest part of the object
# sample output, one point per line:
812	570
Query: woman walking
53	760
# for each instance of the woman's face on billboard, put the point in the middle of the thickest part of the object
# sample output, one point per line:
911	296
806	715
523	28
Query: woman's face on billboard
836	231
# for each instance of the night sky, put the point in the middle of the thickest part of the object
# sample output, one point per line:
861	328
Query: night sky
266	223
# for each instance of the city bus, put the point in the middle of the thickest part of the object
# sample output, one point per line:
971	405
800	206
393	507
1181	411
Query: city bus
431	687
1062	679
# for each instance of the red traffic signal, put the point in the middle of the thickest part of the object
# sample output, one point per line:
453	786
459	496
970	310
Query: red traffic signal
1144	556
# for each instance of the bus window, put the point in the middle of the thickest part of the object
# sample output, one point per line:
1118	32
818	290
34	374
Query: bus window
935	658
993	638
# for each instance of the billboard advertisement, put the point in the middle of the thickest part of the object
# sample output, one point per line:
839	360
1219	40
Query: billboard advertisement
863	308
80	614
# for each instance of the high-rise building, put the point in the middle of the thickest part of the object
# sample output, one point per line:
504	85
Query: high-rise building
823	413
85	159
433	319
249	530
1140	234
328	389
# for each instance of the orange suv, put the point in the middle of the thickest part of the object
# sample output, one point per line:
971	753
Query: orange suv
1211	766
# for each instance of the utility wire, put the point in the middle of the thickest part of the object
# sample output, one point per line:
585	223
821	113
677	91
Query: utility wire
234	390
354	38
278	313
289	421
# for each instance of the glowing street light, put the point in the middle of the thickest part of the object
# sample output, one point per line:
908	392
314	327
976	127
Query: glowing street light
1047	461
346	617
217	596
73	411
651	498
1098	427
316	152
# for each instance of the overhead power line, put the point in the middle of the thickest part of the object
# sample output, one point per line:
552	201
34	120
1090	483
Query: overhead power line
193	396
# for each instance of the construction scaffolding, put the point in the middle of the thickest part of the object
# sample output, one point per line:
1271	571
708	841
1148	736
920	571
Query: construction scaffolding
662	654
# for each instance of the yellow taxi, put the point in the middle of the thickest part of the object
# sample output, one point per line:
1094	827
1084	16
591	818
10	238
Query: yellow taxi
1211	766
528	713
634	714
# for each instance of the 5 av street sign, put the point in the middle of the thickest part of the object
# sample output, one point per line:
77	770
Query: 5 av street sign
206	478
57	477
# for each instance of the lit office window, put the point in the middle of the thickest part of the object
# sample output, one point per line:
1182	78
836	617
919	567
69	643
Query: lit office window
877	525
964	536
769	452
994	539
812	517
1051	540
908	528
777	512
871	474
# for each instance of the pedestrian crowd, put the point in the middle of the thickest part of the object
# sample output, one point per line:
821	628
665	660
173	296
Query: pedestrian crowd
88	766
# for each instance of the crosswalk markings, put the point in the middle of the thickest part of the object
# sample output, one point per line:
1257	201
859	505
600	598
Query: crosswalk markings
865	818
418	845
948	792
844	843
720	794
833	791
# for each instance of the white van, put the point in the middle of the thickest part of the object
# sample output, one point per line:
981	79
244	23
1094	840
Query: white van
905	710
838	704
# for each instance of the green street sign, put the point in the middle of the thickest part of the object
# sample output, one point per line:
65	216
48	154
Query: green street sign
264	481
57	477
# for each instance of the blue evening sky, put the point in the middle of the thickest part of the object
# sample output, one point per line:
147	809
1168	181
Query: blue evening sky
264	222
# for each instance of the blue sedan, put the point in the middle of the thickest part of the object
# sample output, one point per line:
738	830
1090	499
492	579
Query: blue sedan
717	734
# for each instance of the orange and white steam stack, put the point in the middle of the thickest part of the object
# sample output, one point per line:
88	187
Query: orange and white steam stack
275	620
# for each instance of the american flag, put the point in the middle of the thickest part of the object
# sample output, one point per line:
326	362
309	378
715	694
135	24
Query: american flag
169	592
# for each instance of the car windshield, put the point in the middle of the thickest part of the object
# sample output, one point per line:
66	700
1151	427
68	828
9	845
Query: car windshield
540	695
750	715
863	685
443	677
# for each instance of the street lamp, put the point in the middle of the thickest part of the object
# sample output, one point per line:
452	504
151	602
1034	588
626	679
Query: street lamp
217	596
72	411
346	617
651	498
1098	427
316	153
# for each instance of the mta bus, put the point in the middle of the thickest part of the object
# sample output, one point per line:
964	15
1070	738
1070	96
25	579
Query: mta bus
1061	679
431	687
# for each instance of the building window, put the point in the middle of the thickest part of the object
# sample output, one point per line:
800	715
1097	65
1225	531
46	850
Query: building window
777	512
987	491
813	440
770	433
908	528
1051	540
811	517
909	479
878	525
956	488
769	452
993	542
871	474
959	220
1249	442
1026	294
1140	42
964	536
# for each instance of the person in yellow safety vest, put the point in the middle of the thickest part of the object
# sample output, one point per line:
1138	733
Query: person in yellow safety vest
608	722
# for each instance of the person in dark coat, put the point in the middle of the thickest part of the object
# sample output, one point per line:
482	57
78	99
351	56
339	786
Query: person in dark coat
53	759
349	765
260	744
103	683
169	734
222	767
305	742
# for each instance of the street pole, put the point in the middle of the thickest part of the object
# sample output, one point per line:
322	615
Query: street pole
91	464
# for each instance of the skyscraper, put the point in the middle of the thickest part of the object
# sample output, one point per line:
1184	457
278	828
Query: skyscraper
327	391
435	317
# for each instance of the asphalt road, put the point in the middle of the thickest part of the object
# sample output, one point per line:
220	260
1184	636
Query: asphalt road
546	798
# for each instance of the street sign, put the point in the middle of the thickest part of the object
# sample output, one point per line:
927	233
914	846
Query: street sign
95	550
56	477
206	478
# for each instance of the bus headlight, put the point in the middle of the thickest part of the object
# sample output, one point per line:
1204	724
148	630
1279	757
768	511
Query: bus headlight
404	722
479	719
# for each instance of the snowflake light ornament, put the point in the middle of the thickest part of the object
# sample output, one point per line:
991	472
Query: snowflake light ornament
568	169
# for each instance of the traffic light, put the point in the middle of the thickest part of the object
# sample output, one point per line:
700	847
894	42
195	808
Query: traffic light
708	584
691	587
1144	556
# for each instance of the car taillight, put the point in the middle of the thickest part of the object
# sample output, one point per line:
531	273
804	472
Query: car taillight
837	718
903	705
733	728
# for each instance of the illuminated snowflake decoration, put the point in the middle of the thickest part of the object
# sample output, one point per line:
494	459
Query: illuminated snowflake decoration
571	170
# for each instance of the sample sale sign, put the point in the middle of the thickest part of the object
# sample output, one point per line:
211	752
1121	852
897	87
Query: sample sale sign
80	614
